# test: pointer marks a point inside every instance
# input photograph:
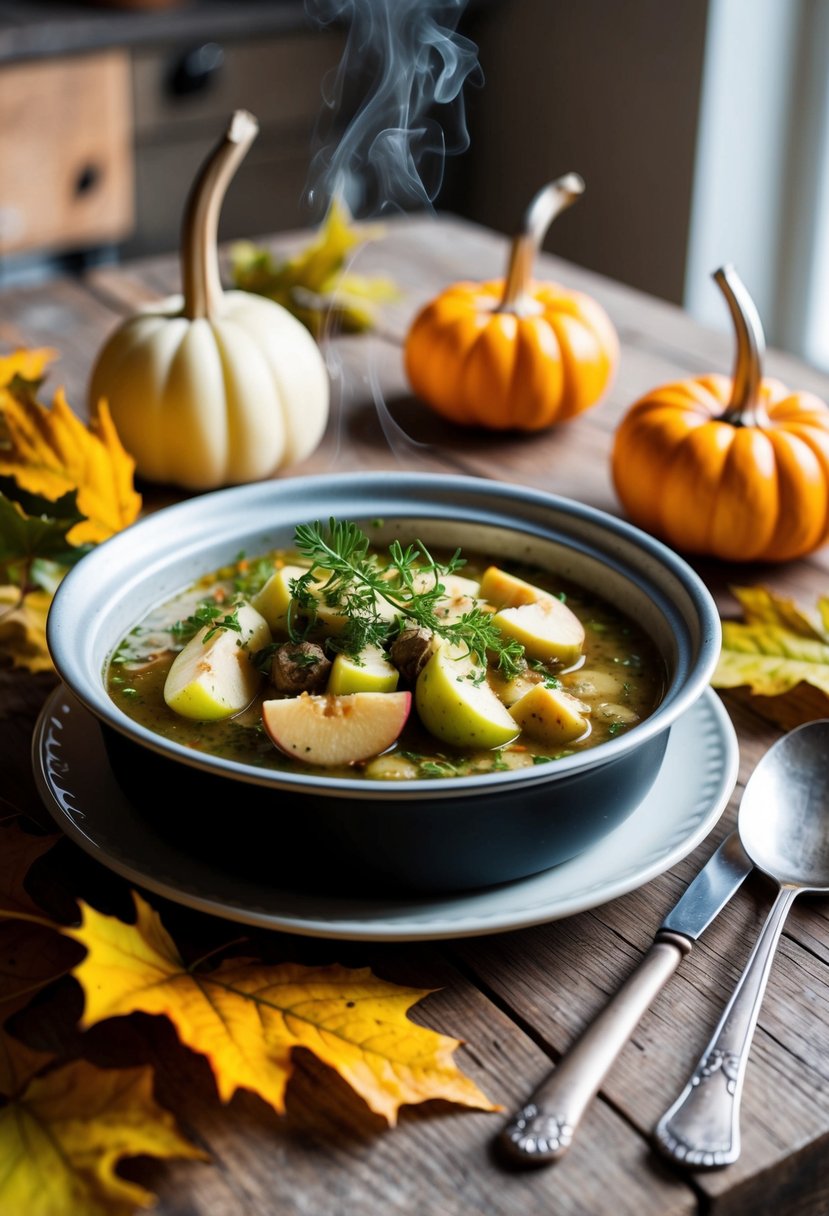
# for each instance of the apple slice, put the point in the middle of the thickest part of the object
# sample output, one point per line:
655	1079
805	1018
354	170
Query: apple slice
547	630
504	590
551	715
368	671
456	704
275	597
460	594
329	731
214	679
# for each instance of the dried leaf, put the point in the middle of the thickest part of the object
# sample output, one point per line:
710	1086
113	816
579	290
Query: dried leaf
777	647
49	452
23	367
23	628
19	850
31	957
63	1134
315	284
247	1017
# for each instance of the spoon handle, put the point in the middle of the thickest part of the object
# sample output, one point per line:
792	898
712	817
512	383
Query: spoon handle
702	1128
541	1131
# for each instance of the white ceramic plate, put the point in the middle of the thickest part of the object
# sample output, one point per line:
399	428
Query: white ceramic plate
688	797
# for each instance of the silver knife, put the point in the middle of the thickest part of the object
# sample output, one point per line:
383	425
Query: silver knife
542	1130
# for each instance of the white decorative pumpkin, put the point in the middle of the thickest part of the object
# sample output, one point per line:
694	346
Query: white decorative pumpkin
213	388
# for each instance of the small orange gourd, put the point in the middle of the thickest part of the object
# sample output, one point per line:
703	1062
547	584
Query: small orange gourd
513	354
736	468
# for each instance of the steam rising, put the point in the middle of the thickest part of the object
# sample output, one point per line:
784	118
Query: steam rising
394	107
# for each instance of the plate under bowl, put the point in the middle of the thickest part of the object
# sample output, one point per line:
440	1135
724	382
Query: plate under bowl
443	834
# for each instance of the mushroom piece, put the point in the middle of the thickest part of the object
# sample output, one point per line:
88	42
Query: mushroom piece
411	651
300	667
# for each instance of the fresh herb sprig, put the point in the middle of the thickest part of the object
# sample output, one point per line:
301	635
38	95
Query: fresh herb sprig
411	582
208	612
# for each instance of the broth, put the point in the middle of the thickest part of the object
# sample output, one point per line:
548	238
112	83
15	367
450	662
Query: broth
619	678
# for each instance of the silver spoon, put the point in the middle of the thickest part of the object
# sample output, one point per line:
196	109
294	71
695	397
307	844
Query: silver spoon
784	828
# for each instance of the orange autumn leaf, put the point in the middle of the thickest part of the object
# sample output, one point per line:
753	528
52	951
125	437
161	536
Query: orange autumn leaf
62	1135
248	1018
50	452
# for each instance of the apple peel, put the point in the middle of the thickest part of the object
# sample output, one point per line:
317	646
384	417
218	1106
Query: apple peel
330	731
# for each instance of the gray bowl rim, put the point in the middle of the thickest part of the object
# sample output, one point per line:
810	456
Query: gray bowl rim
71	606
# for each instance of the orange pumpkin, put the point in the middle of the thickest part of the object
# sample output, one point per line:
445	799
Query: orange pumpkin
514	354
737	468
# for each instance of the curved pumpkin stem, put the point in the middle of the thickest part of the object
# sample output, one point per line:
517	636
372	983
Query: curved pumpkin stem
745	407
201	283
550	201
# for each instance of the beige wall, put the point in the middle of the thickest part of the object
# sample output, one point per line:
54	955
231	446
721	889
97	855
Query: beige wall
610	88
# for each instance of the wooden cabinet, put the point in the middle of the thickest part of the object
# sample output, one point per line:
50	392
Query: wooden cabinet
100	149
66	176
182	98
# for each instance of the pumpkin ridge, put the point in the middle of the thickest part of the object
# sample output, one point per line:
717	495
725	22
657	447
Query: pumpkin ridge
482	401
803	496
537	350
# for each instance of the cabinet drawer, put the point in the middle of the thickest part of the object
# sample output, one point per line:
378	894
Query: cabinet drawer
65	151
279	80
264	196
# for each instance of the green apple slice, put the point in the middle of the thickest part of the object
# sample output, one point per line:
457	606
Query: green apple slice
551	715
547	630
330	731
456	704
504	590
275	597
215	679
368	671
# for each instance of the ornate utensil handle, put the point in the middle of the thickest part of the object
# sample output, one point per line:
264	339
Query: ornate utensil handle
702	1128
541	1131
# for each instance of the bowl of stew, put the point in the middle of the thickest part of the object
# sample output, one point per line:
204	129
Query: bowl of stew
504	746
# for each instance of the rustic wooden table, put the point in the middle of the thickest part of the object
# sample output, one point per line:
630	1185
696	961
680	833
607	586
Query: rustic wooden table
519	999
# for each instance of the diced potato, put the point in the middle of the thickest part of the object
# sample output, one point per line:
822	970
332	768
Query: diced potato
617	713
506	591
510	691
551	715
391	768
547	630
587	682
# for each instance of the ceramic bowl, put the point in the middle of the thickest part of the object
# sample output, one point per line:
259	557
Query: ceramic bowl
358	835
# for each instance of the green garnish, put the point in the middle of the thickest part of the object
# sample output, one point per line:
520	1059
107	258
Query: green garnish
356	579
208	612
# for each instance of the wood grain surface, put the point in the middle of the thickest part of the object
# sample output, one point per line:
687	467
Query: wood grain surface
517	999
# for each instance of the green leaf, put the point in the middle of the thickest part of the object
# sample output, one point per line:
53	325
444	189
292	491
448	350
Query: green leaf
26	537
36	504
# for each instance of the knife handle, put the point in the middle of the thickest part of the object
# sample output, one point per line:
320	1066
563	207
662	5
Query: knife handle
542	1130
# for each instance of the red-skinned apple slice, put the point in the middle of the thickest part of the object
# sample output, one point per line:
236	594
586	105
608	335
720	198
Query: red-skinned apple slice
329	731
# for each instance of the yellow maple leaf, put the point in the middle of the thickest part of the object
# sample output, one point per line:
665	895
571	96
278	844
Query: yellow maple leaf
247	1017
27	364
775	648
50	452
23	628
62	1135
